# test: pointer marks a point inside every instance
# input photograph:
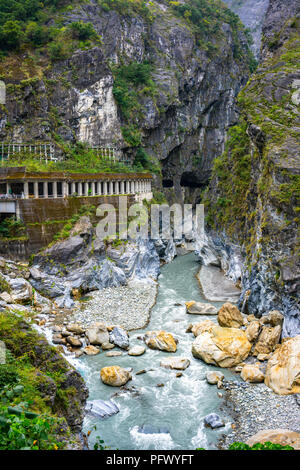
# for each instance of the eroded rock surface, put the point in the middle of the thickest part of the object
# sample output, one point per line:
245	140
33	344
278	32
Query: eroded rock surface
283	369
223	347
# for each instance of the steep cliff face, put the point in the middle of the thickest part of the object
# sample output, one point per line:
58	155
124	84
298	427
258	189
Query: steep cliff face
164	78
254	195
252	14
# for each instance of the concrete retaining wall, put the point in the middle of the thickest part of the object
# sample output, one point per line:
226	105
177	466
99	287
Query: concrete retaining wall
46	217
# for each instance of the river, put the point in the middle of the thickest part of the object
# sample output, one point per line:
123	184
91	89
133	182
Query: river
176	410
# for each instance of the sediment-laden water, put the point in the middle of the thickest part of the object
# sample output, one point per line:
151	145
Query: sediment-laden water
173	413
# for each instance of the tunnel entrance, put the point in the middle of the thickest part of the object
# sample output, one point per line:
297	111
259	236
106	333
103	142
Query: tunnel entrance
189	179
167	183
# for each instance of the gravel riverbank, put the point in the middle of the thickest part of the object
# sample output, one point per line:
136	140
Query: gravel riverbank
254	407
128	306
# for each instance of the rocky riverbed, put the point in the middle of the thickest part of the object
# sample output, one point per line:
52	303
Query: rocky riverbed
243	408
128	306
254	407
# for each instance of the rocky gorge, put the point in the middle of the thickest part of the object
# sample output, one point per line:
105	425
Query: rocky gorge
226	340
254	192
179	114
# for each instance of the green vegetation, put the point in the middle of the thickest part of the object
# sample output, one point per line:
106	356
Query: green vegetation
132	85
132	82
20	432
82	31
88	210
77	159
206	18
24	25
255	176
27	420
4	286
288	193
129	7
232	171
158	198
258	446
143	161
10	228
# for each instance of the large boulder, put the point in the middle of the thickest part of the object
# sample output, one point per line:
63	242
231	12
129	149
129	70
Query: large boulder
91	350
115	376
267	340
274	318
97	334
66	250
252	373
252	331
284	437
74	342
198	308
119	337
21	290
199	328
223	347
177	363
230	316
101	408
213	421
75	328
283	368
160	340
35	273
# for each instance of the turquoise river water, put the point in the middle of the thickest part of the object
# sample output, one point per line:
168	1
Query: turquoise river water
181	404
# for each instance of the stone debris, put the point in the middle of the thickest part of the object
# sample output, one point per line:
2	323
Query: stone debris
126	306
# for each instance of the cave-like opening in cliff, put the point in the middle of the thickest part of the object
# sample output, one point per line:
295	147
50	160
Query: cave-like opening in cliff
189	179
168	183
